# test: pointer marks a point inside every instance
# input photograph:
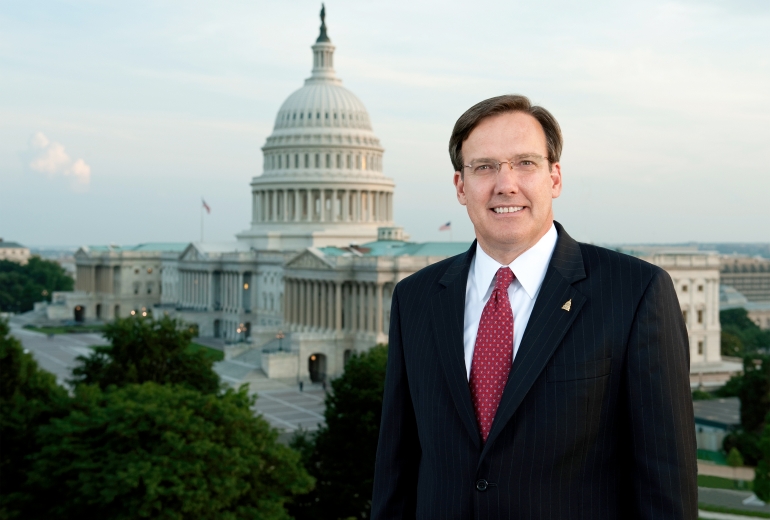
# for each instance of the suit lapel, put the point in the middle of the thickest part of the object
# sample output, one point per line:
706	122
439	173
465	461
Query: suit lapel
448	313
547	326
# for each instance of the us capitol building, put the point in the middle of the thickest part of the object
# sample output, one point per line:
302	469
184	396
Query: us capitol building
310	281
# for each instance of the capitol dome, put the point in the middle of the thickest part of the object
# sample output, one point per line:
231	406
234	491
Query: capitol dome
322	181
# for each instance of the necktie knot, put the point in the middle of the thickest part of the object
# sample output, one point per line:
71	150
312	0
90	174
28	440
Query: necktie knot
503	278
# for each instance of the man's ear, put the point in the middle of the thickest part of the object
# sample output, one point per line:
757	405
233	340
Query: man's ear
460	187
556	184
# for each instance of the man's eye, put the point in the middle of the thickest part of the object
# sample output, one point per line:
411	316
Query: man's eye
483	167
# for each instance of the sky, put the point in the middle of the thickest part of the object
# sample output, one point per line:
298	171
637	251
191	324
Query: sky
117	117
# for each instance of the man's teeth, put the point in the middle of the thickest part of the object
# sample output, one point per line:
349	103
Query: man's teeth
509	209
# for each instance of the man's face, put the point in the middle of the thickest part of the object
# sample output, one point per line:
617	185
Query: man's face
511	209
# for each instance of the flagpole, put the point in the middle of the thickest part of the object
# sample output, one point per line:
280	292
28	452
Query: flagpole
201	221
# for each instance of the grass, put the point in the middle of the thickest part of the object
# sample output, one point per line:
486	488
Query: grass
71	329
214	354
730	511
723	483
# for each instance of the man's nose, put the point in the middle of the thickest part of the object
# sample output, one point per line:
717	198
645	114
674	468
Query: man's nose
507	180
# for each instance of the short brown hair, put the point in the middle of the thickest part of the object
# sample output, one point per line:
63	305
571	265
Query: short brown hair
500	105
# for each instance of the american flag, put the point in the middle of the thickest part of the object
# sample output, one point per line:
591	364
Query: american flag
446	227
206	206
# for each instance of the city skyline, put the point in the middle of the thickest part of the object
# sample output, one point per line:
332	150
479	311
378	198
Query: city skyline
116	120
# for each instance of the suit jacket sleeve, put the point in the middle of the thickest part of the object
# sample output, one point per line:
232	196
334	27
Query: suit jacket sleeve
663	464
398	451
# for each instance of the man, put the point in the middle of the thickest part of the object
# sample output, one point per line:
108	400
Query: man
533	376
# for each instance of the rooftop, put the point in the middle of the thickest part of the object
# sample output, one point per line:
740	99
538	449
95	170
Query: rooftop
10	245
398	248
150	246
720	413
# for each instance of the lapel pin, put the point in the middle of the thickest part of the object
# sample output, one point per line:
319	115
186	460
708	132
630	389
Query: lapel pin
567	306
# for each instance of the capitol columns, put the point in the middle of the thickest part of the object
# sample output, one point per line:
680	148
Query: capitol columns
345	205
297	212
379	308
338	307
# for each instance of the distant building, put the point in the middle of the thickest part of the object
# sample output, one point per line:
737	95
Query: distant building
758	312
749	276
714	419
113	282
14	252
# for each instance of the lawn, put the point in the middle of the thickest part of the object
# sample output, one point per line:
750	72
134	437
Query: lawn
724	483
214	354
67	329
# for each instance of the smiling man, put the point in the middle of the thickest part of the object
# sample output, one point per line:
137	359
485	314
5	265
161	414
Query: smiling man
533	376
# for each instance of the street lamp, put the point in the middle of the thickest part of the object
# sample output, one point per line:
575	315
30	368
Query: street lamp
280	337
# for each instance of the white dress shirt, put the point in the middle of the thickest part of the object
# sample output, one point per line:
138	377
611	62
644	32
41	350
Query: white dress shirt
529	271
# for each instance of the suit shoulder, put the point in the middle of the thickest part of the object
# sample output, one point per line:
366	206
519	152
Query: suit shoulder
602	260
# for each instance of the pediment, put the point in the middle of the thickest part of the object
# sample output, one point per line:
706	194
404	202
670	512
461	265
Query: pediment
192	254
309	259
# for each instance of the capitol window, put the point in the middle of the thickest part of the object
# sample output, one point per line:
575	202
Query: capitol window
296	160
327	115
279	163
295	115
328	161
318	115
339	161
317	160
335	115
302	115
307	160
349	162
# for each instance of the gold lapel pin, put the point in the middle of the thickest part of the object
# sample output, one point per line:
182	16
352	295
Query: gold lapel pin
567	306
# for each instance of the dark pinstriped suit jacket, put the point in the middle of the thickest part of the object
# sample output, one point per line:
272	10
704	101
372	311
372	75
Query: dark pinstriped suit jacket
596	419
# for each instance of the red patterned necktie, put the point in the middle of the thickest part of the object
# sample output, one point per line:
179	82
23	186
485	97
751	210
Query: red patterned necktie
493	353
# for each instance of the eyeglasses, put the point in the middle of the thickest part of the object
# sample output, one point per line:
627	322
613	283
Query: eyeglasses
525	163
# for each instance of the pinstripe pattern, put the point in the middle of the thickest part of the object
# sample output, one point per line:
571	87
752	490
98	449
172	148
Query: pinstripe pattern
595	421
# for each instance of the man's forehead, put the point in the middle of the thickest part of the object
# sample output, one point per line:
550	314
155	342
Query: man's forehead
510	132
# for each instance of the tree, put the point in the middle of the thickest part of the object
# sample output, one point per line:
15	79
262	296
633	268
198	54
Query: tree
754	393
29	398
731	345
146	349
342	453
736	322
163	451
23	285
734	458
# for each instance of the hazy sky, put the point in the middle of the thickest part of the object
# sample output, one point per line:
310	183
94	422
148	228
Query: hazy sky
116	117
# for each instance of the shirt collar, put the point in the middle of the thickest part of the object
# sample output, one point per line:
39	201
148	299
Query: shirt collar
529	267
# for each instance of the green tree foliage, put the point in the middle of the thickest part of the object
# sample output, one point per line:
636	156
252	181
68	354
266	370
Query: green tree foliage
754	393
701	395
155	451
762	474
736	322
753	389
23	285
731	345
146	349
341	455
734	458
29	398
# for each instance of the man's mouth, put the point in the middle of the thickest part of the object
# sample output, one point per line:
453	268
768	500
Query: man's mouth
508	209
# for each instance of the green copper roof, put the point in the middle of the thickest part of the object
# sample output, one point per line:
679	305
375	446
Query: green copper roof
397	248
